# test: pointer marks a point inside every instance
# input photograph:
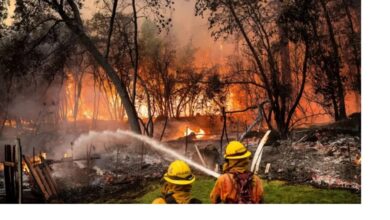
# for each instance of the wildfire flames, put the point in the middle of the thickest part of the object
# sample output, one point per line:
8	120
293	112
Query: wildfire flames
35	160
66	155
358	160
199	135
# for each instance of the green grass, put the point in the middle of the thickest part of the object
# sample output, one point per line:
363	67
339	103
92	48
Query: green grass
275	192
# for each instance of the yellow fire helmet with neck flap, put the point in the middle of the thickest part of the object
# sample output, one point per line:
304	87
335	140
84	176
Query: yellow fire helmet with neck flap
236	150
179	173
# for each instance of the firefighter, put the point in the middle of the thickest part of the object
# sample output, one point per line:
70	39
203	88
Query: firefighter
237	184
177	186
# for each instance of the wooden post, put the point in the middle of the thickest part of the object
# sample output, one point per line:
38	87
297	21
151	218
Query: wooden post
222	134
186	142
7	158
20	170
13	170
33	162
9	174
246	130
117	161
238	130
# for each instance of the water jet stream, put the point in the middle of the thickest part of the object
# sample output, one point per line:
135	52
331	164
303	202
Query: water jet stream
125	135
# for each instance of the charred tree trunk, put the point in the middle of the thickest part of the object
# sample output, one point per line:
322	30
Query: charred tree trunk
96	101
353	41
77	95
75	25
302	88
136	56
165	126
278	88
111	28
286	86
336	59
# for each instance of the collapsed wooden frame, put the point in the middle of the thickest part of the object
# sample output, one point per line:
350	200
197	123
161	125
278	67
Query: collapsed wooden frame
42	177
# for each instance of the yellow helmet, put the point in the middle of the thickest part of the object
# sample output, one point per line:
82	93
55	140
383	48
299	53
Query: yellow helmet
179	173
236	150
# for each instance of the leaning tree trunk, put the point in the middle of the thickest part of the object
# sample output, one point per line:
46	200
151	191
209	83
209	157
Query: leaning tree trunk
75	25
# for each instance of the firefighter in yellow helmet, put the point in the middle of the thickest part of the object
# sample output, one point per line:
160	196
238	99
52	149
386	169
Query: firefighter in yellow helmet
177	186
237	184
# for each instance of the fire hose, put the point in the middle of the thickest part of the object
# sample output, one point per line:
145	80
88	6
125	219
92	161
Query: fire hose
259	152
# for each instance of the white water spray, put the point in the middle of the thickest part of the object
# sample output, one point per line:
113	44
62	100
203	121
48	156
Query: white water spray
123	136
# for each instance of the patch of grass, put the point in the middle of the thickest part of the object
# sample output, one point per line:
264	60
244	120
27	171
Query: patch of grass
278	192
275	192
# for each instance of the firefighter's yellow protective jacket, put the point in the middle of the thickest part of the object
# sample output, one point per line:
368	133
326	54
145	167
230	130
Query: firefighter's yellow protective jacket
225	190
181	194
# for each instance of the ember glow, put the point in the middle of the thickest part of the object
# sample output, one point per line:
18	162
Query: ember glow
34	160
199	133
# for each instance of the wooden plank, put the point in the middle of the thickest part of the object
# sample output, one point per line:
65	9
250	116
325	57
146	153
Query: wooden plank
36	178
44	181
50	180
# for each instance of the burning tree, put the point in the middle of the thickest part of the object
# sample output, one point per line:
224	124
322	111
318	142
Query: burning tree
283	48
295	53
265	41
69	14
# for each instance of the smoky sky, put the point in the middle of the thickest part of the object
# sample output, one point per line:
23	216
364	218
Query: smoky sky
186	28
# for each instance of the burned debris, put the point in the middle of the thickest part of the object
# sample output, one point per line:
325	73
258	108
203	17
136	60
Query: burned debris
321	156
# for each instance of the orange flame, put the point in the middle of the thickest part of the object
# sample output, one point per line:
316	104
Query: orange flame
199	135
66	155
